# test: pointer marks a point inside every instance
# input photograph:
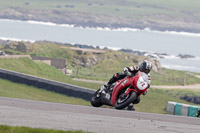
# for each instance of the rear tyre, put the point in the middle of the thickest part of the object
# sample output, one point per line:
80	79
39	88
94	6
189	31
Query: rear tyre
96	99
124	101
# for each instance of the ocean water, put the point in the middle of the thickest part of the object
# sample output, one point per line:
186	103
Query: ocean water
169	42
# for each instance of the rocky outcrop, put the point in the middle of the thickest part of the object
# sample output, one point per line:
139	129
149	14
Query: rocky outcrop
86	61
144	53
191	99
88	56
156	66
185	56
17	46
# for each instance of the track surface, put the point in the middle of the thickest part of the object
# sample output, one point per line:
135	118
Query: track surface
18	112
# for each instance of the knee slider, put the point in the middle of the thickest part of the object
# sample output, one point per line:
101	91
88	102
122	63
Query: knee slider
116	75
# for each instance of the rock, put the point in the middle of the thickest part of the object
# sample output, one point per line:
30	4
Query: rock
191	99
2	53
156	66
83	46
17	46
86	61
161	55
185	56
133	52
4	42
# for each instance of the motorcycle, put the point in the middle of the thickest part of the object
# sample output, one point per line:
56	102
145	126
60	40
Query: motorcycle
120	94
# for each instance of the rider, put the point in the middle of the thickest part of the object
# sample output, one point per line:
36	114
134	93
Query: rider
145	67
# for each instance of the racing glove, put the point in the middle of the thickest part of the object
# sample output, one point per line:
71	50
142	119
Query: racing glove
146	90
131	71
127	72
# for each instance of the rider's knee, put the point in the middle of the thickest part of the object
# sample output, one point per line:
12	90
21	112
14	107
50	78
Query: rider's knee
116	76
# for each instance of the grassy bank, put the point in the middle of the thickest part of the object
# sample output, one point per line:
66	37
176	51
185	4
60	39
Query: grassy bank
103	67
27	66
154	102
15	90
12	129
156	99
88	65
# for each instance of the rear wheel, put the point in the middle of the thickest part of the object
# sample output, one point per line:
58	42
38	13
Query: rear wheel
96	99
123	101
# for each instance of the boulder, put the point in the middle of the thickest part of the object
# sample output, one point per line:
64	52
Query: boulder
191	99
185	56
17	46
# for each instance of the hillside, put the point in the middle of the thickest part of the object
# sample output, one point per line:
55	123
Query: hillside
90	63
171	15
93	64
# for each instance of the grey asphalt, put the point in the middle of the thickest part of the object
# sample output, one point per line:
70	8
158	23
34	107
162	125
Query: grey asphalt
19	112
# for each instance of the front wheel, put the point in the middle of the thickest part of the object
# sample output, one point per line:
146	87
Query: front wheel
96	99
123	101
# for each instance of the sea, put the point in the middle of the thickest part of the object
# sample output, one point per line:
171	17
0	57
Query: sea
168	43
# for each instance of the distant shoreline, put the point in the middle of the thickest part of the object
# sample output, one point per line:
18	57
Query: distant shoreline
78	21
164	58
125	29
154	55
134	51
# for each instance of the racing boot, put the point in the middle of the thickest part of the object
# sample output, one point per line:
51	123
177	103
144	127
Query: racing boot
105	87
130	107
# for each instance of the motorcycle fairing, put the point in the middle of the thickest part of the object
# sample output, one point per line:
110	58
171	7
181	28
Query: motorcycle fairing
126	82
137	82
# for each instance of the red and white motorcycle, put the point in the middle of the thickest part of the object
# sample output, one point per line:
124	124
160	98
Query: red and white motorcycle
121	93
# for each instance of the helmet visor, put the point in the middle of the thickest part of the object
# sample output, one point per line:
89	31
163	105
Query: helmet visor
146	71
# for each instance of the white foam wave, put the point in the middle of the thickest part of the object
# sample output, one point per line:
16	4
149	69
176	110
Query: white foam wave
16	39
170	66
125	29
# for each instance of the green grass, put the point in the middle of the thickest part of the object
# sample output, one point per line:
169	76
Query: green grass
14	129
106	68
128	9
174	77
156	99
109	63
15	90
154	102
27	66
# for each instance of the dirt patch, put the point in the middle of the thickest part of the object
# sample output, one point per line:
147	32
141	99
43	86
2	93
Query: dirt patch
194	86
94	51
15	56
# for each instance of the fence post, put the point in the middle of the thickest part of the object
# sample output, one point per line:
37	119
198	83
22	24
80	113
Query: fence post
174	80
166	78
184	80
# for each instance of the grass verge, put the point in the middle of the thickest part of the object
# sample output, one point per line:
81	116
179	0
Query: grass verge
27	66
15	90
156	99
13	129
154	102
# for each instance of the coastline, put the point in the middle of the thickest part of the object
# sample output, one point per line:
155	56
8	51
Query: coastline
164	57
151	54
84	19
123	29
166	61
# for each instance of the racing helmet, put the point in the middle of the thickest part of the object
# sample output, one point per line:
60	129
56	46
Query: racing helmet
145	66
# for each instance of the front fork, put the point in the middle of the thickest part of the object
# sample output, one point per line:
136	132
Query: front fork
128	90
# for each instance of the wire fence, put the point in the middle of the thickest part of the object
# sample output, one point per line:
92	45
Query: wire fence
169	79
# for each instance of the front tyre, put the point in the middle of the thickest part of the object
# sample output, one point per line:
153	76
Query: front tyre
123	101
96	99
